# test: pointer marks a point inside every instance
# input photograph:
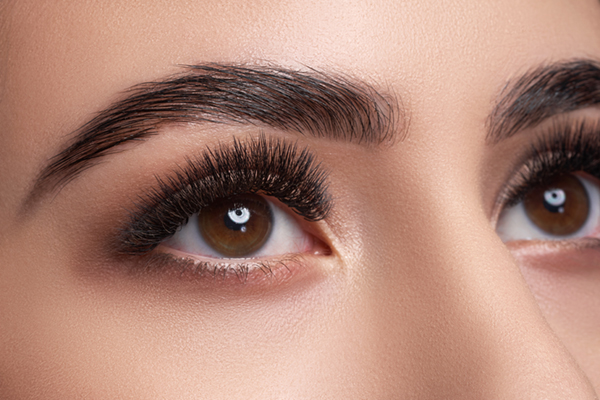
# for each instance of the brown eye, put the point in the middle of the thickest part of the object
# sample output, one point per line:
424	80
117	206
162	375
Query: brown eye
560	207
237	226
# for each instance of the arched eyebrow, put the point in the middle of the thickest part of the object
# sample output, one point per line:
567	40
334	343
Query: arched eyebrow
310	103
544	92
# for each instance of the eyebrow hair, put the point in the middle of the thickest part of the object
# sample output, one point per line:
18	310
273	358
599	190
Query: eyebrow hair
542	93
310	103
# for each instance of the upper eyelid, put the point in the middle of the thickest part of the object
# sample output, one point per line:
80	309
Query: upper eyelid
566	146
301	183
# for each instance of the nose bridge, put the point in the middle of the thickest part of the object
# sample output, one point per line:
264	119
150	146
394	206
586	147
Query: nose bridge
474	327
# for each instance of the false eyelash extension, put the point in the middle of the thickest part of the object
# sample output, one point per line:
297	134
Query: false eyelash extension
567	147
271	167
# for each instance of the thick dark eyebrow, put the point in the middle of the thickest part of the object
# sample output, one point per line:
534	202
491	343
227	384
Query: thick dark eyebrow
544	92
310	103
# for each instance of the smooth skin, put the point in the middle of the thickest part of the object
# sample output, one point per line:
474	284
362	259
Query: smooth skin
420	299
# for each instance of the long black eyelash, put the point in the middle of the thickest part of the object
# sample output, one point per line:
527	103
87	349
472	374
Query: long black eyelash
567	147
272	167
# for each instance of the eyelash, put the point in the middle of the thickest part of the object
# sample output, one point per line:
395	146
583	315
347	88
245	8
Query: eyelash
566	147
272	167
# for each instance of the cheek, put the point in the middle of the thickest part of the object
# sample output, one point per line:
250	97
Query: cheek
566	284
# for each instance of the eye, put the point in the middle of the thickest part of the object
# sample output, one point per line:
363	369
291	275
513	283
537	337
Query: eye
200	208
243	226
566	207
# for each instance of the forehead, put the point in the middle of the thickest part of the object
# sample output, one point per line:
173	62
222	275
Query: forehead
57	46
384	39
64	60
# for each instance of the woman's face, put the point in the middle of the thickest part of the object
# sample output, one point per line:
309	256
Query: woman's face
347	199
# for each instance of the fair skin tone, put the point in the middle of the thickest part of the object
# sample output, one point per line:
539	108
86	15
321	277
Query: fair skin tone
410	293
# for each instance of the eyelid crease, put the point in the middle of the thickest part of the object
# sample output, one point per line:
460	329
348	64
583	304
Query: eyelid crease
272	167
567	146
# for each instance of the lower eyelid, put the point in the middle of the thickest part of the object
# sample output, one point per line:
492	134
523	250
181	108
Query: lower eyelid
230	274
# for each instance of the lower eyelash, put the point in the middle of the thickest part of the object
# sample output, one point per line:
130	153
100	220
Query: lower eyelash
248	271
568	146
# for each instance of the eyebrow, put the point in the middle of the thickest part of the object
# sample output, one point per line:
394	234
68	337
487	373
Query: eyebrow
311	103
541	93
